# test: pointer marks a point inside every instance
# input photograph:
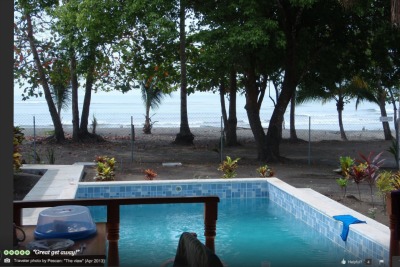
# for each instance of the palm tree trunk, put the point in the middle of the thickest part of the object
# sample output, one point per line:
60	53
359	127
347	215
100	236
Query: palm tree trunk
184	137
58	129
385	124
147	124
340	107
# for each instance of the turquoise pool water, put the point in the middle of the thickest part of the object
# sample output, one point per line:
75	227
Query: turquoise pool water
250	232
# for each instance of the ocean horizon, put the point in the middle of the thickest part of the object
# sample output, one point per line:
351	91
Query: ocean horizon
115	109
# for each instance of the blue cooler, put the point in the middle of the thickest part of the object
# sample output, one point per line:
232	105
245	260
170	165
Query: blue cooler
69	222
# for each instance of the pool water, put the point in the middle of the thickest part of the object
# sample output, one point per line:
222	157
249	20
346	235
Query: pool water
250	232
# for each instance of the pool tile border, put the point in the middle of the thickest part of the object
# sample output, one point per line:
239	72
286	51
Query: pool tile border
223	188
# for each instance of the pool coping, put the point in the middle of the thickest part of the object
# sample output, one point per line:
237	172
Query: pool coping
57	182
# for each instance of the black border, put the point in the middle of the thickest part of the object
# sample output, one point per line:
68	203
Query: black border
7	120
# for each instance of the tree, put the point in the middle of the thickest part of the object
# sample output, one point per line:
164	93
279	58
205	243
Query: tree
208	71
34	56
152	97
341	92
230	119
60	84
184	137
381	72
87	30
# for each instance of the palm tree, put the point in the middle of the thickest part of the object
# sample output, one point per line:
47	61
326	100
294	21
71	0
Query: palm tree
152	96
60	85
338	91
379	96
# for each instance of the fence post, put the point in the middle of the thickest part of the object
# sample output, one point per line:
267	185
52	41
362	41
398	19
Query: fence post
34	140
309	140
222	140
132	137
397	123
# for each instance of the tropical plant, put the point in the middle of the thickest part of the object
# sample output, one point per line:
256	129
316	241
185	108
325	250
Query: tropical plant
152	96
372	212
394	151
371	166
385	184
105	168
342	182
94	124
51	158
358	175
150	174
265	171
228	167
18	139
60	85
346	164
396	180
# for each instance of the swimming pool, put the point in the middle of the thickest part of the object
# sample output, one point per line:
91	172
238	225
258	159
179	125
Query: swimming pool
305	206
250	232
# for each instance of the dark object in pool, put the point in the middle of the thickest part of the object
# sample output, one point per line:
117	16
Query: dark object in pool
192	253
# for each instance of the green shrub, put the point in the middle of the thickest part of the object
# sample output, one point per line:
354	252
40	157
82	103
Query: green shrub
105	168
17	141
265	171
228	167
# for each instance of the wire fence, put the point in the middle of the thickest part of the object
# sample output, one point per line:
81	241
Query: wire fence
308	128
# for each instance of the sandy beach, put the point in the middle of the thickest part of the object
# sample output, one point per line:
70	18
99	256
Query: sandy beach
201	133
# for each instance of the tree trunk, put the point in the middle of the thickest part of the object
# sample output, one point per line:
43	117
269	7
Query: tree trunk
293	134
290	80
222	102
184	137
340	107
75	107
274	134
230	130
147	123
83	128
58	129
253	113
395	12
385	124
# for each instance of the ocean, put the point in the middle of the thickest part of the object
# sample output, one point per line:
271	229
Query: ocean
115	109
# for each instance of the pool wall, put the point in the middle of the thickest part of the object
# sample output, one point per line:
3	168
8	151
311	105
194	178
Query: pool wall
365	241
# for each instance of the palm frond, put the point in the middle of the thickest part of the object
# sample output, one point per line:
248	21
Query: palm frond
152	95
